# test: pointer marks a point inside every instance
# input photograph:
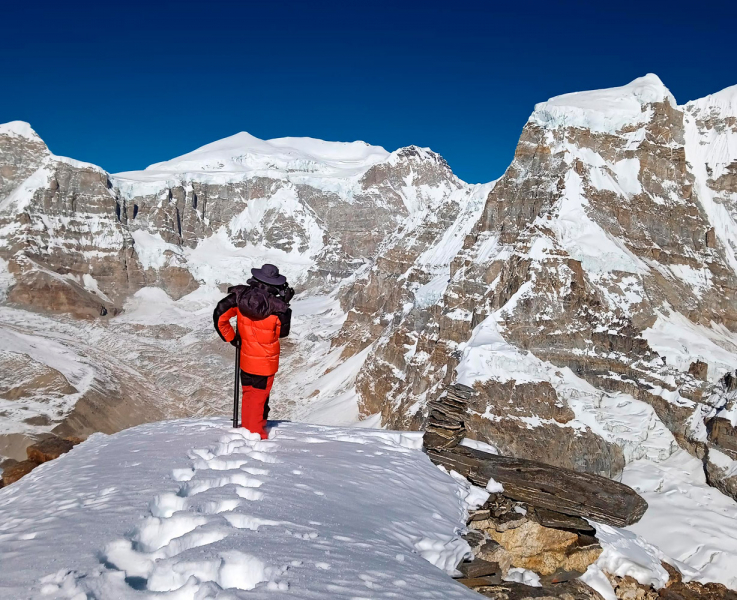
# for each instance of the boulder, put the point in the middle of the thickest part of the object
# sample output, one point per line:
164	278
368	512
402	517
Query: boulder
49	448
545	550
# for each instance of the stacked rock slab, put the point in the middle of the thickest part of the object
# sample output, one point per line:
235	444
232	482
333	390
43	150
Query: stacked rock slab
445	422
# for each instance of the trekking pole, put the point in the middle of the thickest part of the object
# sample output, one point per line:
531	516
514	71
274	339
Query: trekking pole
236	390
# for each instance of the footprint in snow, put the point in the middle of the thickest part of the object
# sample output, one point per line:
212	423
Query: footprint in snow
149	557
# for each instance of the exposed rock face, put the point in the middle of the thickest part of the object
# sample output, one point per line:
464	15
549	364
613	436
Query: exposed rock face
80	241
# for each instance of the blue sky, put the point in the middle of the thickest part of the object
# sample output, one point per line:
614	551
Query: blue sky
124	85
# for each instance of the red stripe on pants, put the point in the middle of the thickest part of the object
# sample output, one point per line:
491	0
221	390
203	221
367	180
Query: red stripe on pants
252	408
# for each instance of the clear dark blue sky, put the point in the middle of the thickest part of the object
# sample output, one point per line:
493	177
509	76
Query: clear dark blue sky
126	84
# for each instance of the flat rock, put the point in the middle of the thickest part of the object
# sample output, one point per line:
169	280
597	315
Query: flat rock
551	518
544	486
477	582
560	576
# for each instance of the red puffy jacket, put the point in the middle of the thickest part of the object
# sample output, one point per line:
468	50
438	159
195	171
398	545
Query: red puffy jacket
262	319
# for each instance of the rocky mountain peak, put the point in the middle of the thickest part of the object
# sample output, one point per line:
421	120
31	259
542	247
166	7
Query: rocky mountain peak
19	129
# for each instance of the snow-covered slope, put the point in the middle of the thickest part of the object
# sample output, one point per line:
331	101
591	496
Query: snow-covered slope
191	508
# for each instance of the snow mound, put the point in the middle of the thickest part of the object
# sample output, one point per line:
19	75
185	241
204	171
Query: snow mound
187	509
604	111
246	154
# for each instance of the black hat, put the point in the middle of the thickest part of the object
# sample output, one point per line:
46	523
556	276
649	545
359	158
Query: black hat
269	274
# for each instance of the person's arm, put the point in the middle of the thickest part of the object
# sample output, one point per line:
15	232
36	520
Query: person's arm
285	319
221	316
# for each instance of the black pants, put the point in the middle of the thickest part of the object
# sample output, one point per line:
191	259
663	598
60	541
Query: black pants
258	382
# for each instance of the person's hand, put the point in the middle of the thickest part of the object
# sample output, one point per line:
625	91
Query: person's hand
235	340
288	294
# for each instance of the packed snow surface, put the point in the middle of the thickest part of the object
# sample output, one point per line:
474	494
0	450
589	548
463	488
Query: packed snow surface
193	509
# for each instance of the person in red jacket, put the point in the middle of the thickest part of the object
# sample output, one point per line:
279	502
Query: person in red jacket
263	317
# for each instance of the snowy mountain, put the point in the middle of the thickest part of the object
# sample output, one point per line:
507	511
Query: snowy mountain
165	242
591	304
587	296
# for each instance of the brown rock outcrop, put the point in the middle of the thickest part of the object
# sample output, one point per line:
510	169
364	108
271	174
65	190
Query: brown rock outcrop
49	448
13	472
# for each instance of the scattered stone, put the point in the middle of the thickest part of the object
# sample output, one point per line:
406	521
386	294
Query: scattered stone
697	591
479	567
474	538
49	448
628	588
479	515
15	471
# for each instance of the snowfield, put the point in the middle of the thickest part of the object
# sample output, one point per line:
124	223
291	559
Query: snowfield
187	509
